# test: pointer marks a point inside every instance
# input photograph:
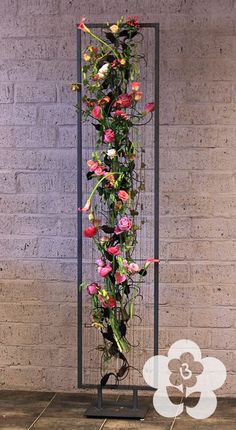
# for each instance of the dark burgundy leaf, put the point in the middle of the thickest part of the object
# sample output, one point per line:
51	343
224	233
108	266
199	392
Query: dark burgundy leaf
105	378
89	175
143	272
107	229
122	370
97	126
122	328
110	37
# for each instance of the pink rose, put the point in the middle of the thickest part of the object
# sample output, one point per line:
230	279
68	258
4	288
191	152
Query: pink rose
103	271
124	101
96	113
121	114
92	289
109	135
114	250
123	195
133	268
119	278
124	224
149	107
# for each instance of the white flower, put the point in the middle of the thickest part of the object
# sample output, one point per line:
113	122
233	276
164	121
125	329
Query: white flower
157	374
102	72
111	153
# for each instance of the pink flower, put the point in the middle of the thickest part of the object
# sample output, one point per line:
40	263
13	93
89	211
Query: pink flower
109	135
121	114
133	21
114	250
149	107
111	302
82	26
92	289
135	86
124	224
90	231
86	207
133	268
100	262
151	260
124	101
103	271
119	278
123	195
99	171
96	113
93	165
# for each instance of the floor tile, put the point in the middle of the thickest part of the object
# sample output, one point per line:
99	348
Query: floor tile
19	409
53	423
135	425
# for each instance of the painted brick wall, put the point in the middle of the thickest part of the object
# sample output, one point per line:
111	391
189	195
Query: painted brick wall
38	182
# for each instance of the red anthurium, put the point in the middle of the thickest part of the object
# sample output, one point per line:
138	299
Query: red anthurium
119	278
114	250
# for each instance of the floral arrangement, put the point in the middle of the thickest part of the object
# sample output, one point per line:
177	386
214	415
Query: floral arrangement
111	95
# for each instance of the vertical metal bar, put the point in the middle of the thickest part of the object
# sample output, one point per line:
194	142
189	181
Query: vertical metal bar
135	398
156	192
79	197
99	397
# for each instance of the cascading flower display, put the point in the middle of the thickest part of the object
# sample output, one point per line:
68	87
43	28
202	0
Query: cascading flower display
111	93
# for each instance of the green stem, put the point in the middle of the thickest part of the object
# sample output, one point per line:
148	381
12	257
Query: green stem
104	43
100	181
122	343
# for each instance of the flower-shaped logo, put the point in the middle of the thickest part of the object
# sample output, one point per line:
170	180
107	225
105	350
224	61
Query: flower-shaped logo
189	375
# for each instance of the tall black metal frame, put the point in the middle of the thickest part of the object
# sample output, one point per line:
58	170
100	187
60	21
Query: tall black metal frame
136	412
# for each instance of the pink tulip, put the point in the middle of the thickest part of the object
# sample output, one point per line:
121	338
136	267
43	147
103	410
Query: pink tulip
92	289
96	113
103	271
119	278
149	107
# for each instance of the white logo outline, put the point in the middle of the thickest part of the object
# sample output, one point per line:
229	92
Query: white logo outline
156	373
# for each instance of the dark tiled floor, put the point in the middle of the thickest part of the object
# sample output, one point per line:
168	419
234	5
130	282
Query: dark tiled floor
50	411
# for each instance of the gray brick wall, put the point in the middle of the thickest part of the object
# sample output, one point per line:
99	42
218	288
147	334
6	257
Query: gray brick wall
38	182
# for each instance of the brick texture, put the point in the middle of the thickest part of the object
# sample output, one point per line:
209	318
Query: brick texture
38	182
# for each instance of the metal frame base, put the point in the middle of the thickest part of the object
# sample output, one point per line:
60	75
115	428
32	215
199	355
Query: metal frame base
108	409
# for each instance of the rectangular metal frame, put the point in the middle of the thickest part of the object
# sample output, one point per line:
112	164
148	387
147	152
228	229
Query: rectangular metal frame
156	208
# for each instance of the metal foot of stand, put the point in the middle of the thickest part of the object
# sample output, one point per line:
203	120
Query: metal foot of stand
109	409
